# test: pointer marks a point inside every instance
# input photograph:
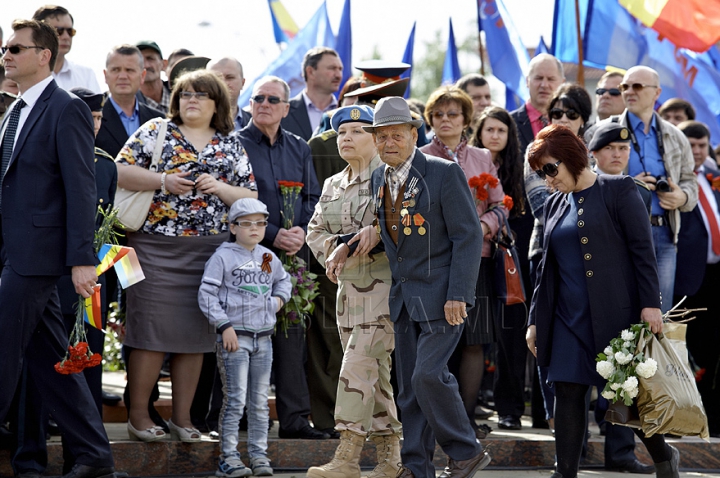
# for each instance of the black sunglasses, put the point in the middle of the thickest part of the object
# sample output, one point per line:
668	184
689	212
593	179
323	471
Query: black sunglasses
61	30
612	91
557	113
273	100
548	169
15	49
635	86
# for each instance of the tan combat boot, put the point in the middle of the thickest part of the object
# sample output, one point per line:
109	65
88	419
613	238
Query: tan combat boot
388	456
346	462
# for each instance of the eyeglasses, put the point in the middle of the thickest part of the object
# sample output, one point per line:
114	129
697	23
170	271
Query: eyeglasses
612	91
557	113
548	169
635	86
61	30
273	100
249	224
200	95
438	115
15	49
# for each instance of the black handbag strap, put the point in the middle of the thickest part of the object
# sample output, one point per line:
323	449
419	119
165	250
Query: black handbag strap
506	239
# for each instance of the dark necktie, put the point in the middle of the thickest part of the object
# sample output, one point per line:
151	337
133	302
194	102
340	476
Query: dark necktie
544	120
8	142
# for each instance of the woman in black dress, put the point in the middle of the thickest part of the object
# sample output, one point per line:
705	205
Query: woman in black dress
598	276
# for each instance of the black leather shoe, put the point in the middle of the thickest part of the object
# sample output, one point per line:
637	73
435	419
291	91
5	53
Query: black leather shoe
305	433
632	466
466	468
404	473
85	471
509	423
332	433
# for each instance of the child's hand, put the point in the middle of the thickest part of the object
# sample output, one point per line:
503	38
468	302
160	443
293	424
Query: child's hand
230	341
279	304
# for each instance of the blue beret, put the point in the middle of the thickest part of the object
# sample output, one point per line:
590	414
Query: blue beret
606	133
346	114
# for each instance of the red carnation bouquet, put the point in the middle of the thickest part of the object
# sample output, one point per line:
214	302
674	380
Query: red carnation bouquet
79	356
480	184
304	287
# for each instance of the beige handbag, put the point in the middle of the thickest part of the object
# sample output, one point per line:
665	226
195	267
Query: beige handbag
133	206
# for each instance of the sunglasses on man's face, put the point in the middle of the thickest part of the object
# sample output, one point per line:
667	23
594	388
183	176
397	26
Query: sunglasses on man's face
273	100
15	49
611	91
635	86
557	113
61	30
549	169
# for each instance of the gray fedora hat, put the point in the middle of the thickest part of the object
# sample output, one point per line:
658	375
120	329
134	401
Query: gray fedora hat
390	111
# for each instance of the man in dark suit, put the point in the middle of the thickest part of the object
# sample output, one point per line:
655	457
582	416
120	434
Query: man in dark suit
545	76
698	271
432	237
122	113
47	203
322	72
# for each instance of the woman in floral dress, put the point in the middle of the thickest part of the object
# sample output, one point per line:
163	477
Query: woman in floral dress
202	170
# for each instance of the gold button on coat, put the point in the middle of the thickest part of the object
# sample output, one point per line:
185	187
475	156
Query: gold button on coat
580	212
581	200
584	240
581	223
588	257
589	273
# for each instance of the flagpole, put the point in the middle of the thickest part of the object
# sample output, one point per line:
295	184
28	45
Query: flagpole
581	67
480	48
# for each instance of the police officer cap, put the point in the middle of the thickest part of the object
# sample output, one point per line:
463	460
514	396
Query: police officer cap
607	133
245	207
94	100
347	114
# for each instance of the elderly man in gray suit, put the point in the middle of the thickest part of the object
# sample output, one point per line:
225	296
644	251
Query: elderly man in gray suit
431	234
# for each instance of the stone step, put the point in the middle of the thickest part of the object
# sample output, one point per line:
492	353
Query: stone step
521	449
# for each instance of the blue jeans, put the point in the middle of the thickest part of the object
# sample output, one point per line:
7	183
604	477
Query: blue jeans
666	254
245	375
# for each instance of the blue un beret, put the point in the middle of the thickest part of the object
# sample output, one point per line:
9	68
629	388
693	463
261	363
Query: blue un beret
347	114
606	133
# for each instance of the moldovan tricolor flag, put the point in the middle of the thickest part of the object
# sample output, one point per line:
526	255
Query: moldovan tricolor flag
691	24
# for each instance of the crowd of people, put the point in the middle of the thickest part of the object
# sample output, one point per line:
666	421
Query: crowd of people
399	205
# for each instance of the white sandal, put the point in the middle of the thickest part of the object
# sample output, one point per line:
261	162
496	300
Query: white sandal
151	434
188	435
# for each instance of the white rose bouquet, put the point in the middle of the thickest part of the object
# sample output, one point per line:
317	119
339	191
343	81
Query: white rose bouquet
621	363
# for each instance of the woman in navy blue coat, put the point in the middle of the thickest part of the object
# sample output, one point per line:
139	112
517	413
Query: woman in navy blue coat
598	276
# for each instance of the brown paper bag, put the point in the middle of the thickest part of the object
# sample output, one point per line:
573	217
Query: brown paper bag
669	401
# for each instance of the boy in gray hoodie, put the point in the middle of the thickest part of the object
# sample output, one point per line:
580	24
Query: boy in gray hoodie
243	287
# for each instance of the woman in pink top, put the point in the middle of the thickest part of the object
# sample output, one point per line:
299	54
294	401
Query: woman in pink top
449	111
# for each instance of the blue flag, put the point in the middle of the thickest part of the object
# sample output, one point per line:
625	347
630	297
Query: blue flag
408	58
343	43
541	48
509	58
280	36
288	65
451	67
614	38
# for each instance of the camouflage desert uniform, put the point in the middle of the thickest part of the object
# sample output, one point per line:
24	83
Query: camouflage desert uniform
364	401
